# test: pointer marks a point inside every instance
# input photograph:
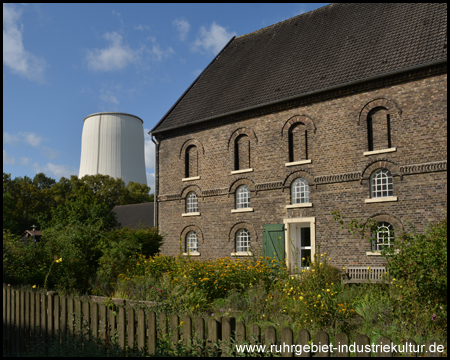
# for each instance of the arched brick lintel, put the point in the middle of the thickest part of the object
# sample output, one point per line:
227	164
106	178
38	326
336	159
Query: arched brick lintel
244	130
185	231
305	119
387	104
190	142
242	225
380	164
298	174
391	219
190	188
242	181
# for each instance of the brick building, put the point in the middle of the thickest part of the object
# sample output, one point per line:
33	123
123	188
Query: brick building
344	107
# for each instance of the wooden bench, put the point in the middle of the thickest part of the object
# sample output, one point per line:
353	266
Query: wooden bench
361	274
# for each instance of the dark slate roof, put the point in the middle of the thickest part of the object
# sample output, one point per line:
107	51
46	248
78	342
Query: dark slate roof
332	45
131	215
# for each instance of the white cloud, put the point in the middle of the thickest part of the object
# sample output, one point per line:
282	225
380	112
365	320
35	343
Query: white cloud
57	171
212	40
14	54
116	56
24	161
7	159
183	28
10	139
149	151
151	182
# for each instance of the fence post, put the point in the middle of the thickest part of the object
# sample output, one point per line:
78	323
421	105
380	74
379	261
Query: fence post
213	333
361	341
56	318
131	328
199	329
342	344
174	330
121	327
431	349
255	334
187	330
383	344
141	330
304	337
408	348
152	333
287	339
322	339
270	336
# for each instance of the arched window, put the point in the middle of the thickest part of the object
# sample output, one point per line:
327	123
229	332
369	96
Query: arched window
242	153
191	162
384	237
242	240
381	184
298	142
191	242
242	197
192	202
378	129
299	191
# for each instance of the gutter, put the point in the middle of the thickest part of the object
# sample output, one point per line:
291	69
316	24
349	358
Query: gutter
155	194
415	67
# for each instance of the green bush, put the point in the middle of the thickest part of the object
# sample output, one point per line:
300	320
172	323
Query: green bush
121	249
422	262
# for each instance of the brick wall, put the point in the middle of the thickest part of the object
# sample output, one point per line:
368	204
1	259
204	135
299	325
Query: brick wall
338	173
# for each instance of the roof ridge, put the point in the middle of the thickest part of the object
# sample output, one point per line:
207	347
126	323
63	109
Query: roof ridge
283	21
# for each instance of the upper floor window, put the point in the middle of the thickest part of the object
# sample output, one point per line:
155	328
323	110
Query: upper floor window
242	240
191	242
384	237
242	152
381	184
299	191
298	142
242	197
378	129
191	162
191	202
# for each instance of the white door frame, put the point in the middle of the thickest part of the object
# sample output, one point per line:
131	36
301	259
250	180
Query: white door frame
308	222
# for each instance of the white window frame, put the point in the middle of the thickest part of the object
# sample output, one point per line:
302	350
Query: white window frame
242	241
243	197
191	242
191	202
299	191
379	242
381	184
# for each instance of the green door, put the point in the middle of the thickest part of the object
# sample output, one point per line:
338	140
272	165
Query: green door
273	241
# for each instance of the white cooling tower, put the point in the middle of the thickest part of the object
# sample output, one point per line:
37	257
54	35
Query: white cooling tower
113	144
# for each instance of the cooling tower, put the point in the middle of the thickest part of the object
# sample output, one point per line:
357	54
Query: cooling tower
113	144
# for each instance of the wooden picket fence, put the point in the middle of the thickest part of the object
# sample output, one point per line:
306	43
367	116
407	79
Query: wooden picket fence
29	315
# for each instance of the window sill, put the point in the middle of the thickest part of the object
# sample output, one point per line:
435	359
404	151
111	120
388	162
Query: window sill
293	206
193	253
191	214
381	199
241	171
191	178
301	162
377	253
374	152
242	253
242	210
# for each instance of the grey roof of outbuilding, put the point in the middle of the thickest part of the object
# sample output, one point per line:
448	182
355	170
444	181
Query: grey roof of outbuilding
135	214
332	45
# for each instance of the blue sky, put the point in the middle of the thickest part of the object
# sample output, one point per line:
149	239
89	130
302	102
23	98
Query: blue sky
63	62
